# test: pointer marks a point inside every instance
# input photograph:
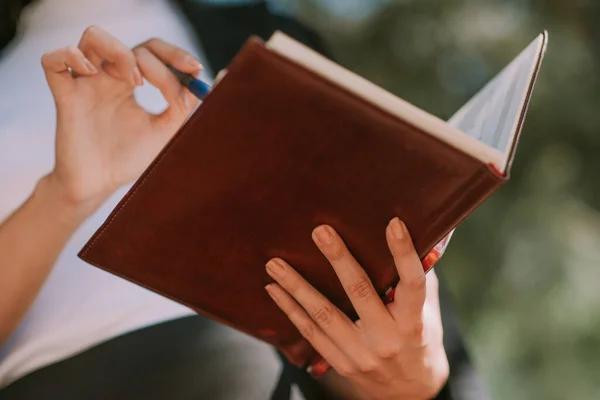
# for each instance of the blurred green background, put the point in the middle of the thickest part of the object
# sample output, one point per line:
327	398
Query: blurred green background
523	269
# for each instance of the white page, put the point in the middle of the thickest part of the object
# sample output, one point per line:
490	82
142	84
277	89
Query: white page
492	115
482	128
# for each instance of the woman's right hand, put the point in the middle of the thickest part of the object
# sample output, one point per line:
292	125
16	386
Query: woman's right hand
104	139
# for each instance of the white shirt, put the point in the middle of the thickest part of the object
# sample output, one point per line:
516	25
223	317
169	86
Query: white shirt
79	305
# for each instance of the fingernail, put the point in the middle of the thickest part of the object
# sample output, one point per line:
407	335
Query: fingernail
90	67
137	77
397	228
271	292
275	268
323	235
192	62
430	259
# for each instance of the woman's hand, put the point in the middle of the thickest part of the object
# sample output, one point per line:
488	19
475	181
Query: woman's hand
392	352
104	139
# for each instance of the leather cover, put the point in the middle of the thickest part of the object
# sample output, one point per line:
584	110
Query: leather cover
274	151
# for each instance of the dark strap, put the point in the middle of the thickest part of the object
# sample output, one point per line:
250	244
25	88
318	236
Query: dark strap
283	390
291	375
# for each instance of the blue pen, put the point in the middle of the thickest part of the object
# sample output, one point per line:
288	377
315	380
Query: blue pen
196	86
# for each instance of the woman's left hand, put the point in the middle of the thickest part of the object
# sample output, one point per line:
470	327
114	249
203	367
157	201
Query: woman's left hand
393	351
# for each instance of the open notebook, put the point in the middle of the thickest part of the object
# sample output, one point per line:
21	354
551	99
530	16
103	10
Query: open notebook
493	117
288	140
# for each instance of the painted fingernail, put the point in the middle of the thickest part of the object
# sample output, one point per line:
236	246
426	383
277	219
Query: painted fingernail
430	260
137	77
192	62
275	268
271	292
323	235
89	66
389	295
318	367
397	228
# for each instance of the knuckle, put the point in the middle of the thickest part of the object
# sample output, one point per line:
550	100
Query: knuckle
361	288
388	351
336	252
323	315
369	365
414	331
417	283
346	370
307	330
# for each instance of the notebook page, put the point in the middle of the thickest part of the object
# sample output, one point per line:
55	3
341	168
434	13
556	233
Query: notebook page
492	115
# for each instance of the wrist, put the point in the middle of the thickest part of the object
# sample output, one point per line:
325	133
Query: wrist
51	192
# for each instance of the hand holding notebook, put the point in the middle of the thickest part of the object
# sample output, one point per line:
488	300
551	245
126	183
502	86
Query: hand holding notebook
371	353
286	141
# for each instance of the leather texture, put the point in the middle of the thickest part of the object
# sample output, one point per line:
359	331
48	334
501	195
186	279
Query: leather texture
274	151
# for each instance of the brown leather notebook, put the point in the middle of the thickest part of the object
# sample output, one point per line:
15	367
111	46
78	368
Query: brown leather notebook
288	140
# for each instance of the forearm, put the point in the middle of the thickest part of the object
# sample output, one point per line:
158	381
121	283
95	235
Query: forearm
31	240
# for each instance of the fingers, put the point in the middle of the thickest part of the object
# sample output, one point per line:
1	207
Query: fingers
157	73
308	328
169	54
328	317
355	281
115	58
153	56
412	277
333	335
56	66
